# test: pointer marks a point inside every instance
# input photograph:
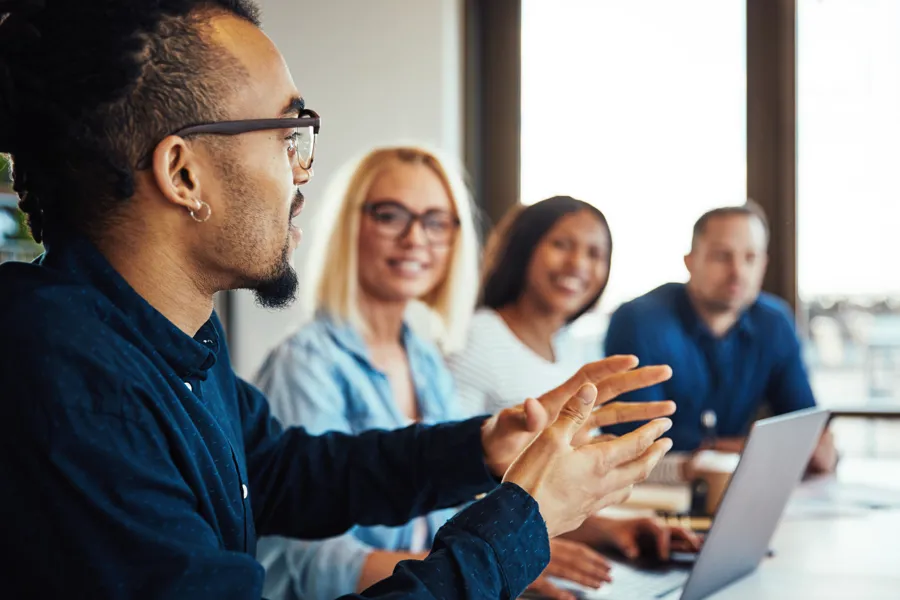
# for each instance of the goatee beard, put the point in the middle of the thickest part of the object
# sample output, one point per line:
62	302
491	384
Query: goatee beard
280	289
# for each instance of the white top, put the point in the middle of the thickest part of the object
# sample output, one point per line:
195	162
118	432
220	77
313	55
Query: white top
496	369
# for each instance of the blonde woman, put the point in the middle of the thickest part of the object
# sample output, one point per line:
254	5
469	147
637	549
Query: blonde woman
398	232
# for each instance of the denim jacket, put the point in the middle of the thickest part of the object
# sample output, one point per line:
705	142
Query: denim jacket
321	378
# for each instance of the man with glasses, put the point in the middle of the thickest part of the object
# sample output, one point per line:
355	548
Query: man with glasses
158	151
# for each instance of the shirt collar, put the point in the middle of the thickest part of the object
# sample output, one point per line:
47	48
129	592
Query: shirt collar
695	326
434	404
187	356
347	336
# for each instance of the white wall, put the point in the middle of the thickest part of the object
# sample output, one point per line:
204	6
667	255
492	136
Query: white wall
378	72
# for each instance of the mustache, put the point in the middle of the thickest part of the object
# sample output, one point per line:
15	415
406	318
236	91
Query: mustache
299	201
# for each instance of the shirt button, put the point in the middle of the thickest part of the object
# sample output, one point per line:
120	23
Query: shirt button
188	385
244	490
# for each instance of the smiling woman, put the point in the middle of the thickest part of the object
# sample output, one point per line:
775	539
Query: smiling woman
545	266
397	230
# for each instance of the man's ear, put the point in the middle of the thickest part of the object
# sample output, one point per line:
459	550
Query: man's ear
689	262
176	170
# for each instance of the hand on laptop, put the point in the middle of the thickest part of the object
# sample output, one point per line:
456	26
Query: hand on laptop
507	433
570	483
825	457
573	561
636	537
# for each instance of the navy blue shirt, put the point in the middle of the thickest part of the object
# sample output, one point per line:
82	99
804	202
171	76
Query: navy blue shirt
135	464
758	360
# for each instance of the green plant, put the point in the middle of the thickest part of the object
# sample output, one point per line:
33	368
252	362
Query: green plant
5	170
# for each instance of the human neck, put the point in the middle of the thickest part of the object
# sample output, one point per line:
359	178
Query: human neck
163	278
718	322
384	320
533	325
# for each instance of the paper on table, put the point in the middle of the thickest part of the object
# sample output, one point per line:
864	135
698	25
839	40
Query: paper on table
715	461
669	498
828	498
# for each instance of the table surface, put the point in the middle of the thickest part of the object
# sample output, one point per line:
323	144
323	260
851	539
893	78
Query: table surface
872	410
839	553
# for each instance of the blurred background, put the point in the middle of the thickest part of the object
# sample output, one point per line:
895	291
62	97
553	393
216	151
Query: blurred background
653	110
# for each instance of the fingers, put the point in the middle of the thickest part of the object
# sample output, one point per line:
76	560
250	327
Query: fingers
620	495
576	411
578	554
638	470
601	369
685	539
626	543
617	384
628	412
630	446
543	588
662	535
577	562
589	373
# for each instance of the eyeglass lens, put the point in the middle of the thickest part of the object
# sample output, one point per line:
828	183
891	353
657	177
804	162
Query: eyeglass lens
395	220
304	140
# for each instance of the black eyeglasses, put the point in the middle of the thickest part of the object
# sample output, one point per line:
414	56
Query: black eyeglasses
394	220
305	130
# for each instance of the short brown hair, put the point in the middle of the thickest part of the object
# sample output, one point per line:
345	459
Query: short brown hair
748	209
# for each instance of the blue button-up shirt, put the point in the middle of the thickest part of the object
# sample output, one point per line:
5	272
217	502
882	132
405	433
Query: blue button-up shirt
322	378
757	360
135	464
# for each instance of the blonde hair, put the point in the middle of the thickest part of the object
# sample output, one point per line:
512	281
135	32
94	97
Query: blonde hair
333	275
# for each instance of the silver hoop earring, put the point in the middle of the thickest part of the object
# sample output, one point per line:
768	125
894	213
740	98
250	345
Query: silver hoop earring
202	214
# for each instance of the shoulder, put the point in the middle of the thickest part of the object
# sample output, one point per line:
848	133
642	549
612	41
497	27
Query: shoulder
487	318
488	338
650	310
310	348
773	316
46	318
487	328
487	341
772	308
314	340
64	347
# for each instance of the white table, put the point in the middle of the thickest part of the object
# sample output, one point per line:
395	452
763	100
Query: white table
852	555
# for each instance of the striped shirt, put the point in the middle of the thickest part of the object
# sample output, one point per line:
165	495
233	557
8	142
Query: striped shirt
496	369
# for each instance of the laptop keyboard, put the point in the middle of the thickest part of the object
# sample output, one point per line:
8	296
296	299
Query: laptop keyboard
630	584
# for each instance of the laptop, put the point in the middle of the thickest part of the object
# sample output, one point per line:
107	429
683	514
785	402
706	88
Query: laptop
772	463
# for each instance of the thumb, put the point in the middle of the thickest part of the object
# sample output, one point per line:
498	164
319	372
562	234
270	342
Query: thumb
576	411
535	416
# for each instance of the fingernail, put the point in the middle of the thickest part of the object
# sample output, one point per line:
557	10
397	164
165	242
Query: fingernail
587	393
667	423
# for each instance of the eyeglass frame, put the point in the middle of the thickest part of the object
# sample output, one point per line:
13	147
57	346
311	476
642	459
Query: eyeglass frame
307	118
368	208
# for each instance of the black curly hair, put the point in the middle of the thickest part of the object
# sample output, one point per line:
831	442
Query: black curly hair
89	87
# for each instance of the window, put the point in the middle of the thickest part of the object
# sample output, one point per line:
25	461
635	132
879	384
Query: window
848	146
848	208
638	107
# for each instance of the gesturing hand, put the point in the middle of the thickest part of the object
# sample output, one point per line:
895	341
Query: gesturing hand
506	434
570	483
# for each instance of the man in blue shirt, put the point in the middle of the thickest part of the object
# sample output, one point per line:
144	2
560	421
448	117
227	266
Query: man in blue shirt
731	347
158	150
